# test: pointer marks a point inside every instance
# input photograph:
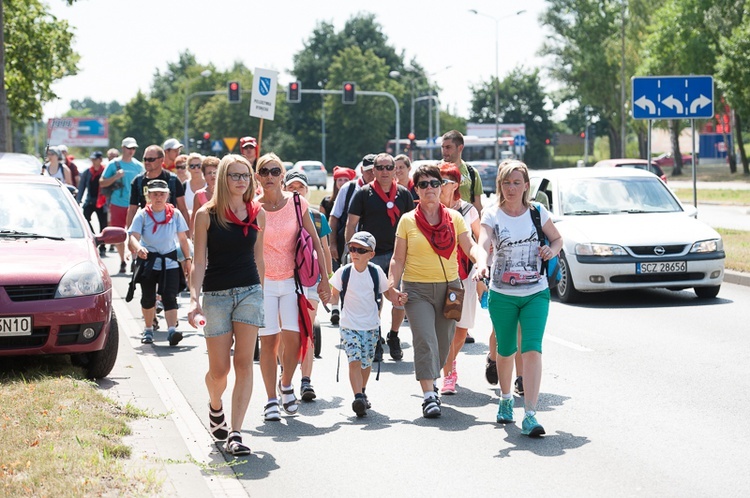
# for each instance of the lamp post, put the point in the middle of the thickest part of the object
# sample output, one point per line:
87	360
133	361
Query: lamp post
205	74
497	74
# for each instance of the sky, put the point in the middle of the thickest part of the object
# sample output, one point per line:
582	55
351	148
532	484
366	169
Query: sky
123	42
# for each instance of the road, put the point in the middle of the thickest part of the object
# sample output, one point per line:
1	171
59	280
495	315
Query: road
642	393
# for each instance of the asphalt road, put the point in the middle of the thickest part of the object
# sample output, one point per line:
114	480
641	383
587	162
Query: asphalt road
642	393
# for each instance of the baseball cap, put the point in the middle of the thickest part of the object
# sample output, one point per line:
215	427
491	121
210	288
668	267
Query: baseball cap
172	143
248	142
157	186
55	150
364	239
96	155
129	142
295	176
63	148
368	162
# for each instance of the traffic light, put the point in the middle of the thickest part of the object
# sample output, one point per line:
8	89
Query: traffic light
206	142
294	96
349	96
412	137
233	92
547	141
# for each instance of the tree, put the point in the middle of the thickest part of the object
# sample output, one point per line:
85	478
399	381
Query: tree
522	100
88	107
138	120
35	51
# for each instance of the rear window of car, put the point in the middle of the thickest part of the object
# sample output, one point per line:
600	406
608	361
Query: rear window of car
312	167
39	209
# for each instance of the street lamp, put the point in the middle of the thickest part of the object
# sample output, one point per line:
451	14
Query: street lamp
497	73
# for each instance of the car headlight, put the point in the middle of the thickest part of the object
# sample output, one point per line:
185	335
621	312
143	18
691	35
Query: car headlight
83	279
712	245
600	250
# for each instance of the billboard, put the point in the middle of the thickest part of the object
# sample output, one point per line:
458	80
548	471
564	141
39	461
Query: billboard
78	132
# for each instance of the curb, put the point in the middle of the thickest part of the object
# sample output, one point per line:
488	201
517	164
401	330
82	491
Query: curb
737	277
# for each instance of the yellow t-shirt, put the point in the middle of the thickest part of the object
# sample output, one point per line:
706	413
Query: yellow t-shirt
422	264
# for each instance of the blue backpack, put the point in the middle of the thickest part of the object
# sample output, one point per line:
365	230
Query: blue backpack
346	273
551	267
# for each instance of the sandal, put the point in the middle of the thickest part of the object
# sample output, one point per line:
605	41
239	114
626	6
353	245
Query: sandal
218	424
431	408
271	411
288	400
234	445
148	338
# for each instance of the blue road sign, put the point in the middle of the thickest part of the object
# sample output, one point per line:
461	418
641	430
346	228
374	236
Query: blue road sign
673	97
519	140
216	146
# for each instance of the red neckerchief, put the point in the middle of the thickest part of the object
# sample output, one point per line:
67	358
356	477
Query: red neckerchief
389	199
411	185
442	237
253	208
169	210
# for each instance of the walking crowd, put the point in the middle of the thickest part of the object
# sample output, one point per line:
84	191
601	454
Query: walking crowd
239	233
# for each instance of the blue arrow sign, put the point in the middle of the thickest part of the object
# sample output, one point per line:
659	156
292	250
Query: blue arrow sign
673	97
519	140
216	146
90	127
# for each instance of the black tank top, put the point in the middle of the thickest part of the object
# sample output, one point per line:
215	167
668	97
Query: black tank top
231	257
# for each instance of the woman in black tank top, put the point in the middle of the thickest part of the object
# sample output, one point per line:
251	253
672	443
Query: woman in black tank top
229	267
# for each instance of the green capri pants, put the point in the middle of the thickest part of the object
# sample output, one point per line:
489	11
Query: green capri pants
507	312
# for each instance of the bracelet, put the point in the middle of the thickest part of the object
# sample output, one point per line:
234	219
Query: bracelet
188	259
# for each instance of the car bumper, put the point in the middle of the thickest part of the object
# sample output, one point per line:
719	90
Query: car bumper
58	324
594	273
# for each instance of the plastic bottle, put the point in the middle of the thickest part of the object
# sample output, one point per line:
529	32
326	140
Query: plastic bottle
200	322
486	295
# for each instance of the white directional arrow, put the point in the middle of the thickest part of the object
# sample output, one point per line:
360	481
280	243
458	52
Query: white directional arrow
645	103
673	103
696	104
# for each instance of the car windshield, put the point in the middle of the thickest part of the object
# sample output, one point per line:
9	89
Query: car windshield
32	209
591	196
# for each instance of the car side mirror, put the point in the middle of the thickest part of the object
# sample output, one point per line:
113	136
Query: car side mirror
111	235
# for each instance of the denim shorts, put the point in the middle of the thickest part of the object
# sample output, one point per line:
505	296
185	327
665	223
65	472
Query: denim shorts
239	304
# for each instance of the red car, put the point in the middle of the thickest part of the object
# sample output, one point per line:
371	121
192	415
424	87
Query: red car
666	159
520	277
633	163
55	292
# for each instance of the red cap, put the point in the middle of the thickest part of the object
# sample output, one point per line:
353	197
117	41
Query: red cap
341	171
248	142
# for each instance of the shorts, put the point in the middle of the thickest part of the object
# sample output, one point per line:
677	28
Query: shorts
239	304
280	305
312	293
360	345
117	216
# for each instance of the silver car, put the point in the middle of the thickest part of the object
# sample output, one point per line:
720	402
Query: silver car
317	176
623	228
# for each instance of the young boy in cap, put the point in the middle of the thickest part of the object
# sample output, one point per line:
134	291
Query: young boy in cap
360	285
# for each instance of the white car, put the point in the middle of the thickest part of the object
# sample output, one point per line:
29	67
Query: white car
317	176
624	229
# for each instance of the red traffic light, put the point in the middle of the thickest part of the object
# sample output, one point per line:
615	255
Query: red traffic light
583	134
547	141
348	87
233	86
293	86
412	136
206	135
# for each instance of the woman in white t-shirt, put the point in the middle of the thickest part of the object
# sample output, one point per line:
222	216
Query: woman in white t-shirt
518	291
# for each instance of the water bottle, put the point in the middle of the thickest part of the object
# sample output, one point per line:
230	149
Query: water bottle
486	295
200	322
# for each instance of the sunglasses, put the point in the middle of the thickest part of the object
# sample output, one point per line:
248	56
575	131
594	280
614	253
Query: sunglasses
195	166
151	159
381	167
272	171
239	176
432	183
358	250
179	166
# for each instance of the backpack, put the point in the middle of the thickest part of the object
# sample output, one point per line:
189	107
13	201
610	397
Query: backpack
550	267
116	185
346	273
305	257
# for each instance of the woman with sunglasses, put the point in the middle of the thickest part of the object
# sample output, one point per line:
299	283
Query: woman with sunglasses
509	227
196	181
280	298
229	266
427	239
450	197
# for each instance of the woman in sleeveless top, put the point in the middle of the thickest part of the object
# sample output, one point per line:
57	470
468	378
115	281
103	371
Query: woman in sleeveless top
229	266
55	166
195	180
209	168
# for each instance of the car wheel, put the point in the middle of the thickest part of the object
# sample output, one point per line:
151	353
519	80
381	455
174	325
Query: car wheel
566	290
512	281
707	292
99	363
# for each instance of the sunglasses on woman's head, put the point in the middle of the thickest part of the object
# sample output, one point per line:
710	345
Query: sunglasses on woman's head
272	171
358	250
431	183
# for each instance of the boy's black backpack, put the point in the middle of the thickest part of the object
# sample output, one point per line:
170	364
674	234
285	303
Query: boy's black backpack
346	273
551	267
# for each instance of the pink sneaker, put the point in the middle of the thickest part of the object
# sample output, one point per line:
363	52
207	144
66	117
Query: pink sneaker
449	384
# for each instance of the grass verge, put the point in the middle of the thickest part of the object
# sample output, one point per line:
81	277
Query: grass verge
720	196
60	436
737	248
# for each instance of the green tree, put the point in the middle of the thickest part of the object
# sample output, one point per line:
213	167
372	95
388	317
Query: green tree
522	100
138	120
733	71
88	107
35	51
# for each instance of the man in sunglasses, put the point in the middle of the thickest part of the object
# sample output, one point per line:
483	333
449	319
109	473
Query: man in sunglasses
376	208
153	160
124	168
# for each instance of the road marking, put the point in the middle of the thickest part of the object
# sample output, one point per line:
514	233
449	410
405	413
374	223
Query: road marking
568	344
196	438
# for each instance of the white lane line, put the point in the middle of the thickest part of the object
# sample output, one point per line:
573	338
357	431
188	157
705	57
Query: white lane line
568	344
196	438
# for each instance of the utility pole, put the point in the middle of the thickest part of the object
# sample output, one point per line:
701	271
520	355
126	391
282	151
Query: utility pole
5	141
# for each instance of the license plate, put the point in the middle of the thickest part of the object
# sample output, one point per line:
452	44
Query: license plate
661	267
15	325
